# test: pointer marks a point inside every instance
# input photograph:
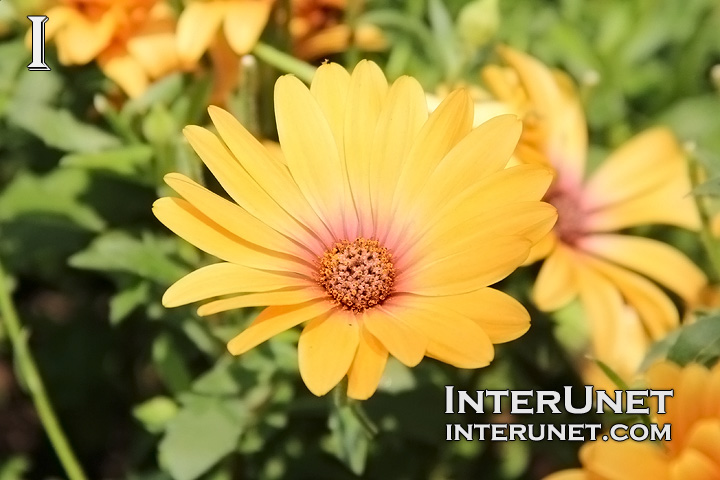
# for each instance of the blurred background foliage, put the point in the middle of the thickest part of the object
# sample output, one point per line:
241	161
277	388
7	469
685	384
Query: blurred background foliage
146	393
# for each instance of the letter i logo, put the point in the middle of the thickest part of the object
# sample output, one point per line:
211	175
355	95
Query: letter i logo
38	43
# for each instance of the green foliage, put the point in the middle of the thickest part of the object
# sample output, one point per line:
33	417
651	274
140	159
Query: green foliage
697	343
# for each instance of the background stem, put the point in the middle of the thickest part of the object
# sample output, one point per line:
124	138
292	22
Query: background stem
712	246
25	364
284	62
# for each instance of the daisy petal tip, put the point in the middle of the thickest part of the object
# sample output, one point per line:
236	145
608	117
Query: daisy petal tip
160	203
235	347
319	389
359	394
216	112
168	299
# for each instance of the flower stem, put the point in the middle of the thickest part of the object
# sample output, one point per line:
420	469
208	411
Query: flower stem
711	243
31	377
282	61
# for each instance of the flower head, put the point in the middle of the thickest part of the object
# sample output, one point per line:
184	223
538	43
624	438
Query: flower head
242	22
379	226
317	29
645	181
133	41
693	453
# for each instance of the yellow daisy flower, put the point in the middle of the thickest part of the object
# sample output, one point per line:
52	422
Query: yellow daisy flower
242	22
381	231
692	454
643	182
133	41
317	29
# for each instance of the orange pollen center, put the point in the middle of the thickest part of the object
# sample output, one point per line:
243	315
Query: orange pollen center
570	226
358	274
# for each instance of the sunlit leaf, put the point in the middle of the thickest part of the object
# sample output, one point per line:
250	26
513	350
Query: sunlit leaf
128	162
155	413
58	128
147	257
205	431
58	193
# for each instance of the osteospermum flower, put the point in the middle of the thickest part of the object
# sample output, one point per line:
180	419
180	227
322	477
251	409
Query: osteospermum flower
241	21
693	453
133	41
317	29
643	182
381	231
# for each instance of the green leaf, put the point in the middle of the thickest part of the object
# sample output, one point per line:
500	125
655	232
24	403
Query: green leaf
611	374
58	193
127	162
159	126
350	440
659	349
128	299
695	119
445	38
697	343
397	378
206	430
58	128
37	89
710	188
478	22
161	92
170	364
155	413
14	468
117	251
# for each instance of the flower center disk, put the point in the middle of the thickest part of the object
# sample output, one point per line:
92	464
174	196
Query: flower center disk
570	226
357	274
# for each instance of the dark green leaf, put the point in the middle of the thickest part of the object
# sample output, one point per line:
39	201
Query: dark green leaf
128	299
350	438
170	364
698	342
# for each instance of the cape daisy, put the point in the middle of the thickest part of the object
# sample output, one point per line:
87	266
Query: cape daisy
133	41
242	22
317	29
381	230
643	182
693	453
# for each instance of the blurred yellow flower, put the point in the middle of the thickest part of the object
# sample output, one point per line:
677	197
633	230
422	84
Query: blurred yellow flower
692	454
645	181
382	230
242	22
317	29
133	41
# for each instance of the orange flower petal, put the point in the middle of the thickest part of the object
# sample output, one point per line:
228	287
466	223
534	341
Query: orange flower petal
288	296
224	279
276	319
367	367
244	22
196	28
403	343
192	225
652	258
326	350
556	284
